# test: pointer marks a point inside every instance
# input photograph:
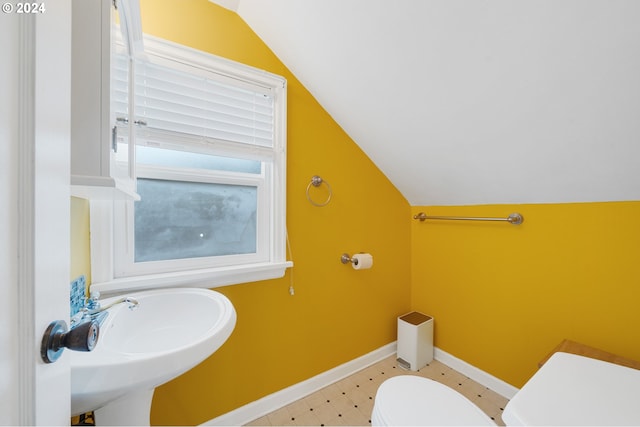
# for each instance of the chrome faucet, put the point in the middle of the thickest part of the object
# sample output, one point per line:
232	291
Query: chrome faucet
132	304
93	309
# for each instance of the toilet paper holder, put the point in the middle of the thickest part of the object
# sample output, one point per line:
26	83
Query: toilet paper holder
359	261
346	259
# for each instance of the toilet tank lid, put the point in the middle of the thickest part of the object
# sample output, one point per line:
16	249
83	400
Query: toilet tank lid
576	390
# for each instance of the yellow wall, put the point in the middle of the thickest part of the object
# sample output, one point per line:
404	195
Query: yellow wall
503	296
80	244
337	313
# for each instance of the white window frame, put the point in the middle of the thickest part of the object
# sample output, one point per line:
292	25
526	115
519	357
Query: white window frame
111	221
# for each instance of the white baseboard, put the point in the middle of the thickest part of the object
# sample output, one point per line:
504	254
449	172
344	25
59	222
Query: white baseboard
277	400
272	402
478	375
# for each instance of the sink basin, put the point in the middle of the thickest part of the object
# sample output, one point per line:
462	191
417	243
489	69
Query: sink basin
166	334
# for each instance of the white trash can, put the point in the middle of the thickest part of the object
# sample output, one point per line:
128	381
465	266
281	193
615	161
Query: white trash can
415	340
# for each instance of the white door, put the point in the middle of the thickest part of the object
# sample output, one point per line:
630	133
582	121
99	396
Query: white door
35	58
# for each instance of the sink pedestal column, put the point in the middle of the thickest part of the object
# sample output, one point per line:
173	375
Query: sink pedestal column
132	409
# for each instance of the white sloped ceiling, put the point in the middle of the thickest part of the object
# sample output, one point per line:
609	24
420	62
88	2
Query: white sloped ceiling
466	102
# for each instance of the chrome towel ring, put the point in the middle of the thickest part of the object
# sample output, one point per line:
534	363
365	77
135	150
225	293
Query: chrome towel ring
317	181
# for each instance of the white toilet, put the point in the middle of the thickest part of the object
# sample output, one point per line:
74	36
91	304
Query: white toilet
410	400
571	390
567	390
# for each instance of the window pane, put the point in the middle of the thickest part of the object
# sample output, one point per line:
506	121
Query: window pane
183	159
177	220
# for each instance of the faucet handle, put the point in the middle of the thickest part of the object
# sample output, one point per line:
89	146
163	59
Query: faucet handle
92	301
79	317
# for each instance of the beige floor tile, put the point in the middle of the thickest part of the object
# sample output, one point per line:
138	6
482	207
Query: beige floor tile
434	370
347	384
315	400
341	403
334	421
325	412
366	409
362	397
469	388
453	379
298	407
280	417
498	399
306	419
366	418
369	372
330	391
352	417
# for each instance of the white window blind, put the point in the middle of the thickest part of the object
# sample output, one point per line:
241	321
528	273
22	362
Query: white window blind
196	103
120	82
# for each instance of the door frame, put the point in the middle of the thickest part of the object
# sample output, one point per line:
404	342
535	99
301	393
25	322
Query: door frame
39	195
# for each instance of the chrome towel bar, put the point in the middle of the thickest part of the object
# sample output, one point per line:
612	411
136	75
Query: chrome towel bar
515	218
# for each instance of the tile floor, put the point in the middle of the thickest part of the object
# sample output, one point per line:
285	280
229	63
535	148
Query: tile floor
350	400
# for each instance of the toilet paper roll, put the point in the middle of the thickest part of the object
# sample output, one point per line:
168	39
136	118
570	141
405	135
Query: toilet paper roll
362	261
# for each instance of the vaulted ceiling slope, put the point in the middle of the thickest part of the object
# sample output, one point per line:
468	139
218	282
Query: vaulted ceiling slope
463	102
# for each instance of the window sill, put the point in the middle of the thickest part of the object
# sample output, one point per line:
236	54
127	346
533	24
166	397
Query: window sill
206	278
101	188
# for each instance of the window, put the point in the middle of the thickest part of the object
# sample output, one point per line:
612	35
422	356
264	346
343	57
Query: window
209	151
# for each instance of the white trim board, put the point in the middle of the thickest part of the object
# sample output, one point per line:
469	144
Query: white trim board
254	410
481	377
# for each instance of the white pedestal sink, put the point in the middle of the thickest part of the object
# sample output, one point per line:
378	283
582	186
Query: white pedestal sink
168	333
